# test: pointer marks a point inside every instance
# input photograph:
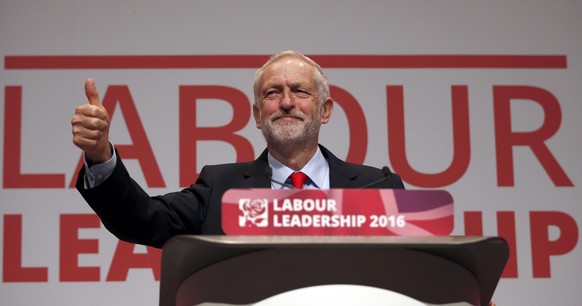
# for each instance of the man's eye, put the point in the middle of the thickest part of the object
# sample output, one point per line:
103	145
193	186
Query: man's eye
301	93
271	94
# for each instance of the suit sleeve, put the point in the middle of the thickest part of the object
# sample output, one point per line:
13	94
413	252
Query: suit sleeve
128	212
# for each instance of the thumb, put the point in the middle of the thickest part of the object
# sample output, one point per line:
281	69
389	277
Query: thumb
91	93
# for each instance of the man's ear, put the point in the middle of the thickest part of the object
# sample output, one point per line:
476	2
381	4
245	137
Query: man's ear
257	115
326	110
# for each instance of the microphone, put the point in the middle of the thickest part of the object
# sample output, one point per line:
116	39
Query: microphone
387	174
269	174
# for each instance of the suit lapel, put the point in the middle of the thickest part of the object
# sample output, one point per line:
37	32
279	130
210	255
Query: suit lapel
256	175
340	176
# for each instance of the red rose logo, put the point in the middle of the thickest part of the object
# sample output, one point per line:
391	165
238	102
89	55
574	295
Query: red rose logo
254	213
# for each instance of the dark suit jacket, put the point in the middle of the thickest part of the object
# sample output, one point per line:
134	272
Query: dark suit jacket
132	215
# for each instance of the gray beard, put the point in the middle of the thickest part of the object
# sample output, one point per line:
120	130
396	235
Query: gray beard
300	134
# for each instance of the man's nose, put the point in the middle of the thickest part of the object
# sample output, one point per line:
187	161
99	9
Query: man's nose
287	101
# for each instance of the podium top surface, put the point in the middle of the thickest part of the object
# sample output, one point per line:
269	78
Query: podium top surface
322	241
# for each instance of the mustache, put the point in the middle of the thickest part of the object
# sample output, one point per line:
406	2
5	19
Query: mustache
293	113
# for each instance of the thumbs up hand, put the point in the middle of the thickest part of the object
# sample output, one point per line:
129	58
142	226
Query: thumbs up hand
90	127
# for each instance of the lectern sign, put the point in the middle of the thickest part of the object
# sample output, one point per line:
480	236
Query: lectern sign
363	212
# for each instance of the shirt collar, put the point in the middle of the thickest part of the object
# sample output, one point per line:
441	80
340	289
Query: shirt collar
316	169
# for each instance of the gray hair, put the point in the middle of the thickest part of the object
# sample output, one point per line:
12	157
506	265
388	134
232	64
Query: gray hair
319	74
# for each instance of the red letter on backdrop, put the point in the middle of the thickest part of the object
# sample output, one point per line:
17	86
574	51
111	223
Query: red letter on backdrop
356	123
461	139
505	139
72	246
12	147
191	133
473	223
140	149
125	259
541	245
13	271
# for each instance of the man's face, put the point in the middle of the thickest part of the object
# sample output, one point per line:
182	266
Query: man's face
289	109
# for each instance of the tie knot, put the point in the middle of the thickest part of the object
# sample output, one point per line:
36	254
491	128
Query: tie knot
298	179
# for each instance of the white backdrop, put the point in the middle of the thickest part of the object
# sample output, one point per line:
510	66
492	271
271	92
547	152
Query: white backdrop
521	122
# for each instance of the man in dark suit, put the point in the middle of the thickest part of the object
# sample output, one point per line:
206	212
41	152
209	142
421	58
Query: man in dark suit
291	102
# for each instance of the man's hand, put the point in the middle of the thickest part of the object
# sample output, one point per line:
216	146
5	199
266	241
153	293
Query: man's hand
91	127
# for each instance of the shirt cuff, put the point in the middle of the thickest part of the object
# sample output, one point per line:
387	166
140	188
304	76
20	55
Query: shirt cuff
96	174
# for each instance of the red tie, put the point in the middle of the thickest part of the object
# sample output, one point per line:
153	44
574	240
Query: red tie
298	179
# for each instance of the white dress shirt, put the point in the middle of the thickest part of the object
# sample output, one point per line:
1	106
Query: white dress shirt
317	170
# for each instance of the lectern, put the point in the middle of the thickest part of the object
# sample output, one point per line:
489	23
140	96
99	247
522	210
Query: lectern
247	269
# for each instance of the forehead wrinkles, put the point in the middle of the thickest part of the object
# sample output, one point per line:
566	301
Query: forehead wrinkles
289	71
279	83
